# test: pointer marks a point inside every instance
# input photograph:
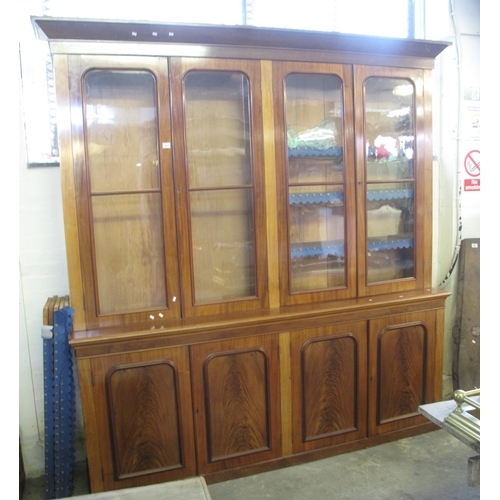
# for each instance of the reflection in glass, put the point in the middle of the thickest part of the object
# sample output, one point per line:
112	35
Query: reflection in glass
121	130
223	244
123	165
317	222
130	276
218	148
217	117
314	121
390	128
389	143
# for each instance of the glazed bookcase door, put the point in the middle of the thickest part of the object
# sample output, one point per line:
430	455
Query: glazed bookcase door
220	185
315	172
124	195
394	193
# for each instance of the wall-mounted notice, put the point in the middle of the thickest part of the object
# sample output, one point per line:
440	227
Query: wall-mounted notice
472	166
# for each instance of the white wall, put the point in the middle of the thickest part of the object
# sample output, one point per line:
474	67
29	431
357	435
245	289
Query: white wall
42	259
456	76
42	273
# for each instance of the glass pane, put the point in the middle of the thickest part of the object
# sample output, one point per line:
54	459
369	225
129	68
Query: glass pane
320	168
121	128
317	232
217	118
314	121
389	146
389	128
314	127
390	231
129	276
223	244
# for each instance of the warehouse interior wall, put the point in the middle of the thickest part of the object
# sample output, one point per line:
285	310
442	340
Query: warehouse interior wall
456	133
41	269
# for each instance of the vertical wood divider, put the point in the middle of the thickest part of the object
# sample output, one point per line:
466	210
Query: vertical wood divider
270	172
63	99
91	428
428	184
439	355
286	394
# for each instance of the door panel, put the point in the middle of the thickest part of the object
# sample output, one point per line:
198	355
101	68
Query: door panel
402	352
120	121
219	167
393	179
315	173
143	439
329	385
236	395
144	416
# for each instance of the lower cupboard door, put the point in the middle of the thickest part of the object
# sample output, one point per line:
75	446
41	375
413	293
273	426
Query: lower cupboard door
144	417
236	402
328	370
402	360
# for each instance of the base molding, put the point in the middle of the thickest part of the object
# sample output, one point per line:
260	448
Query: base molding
320	454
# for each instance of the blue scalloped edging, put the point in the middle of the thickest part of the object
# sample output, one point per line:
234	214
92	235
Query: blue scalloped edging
338	196
309	198
338	250
375	246
318	251
389	194
337	151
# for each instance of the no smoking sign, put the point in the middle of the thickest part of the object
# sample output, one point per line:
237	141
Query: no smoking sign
472	166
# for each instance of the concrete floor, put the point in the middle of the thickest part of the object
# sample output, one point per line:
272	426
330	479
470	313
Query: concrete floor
432	466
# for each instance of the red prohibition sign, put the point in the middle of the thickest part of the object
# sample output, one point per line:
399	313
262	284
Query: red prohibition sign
472	164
